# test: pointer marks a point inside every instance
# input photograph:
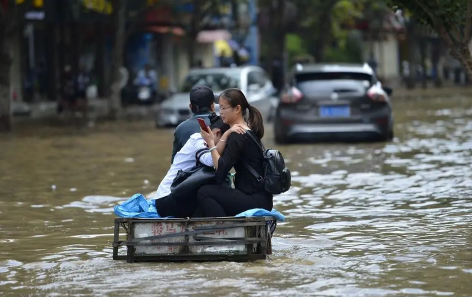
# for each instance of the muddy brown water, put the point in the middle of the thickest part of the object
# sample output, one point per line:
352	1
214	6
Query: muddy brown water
372	219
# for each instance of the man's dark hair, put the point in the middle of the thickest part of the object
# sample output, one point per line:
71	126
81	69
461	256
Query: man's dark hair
201	99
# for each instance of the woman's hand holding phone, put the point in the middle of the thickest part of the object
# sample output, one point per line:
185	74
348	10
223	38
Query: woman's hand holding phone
207	134
203	125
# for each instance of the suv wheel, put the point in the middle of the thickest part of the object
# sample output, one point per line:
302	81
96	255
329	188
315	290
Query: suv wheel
280	136
389	135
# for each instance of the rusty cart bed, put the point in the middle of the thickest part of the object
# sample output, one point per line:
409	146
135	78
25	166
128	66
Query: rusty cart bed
193	239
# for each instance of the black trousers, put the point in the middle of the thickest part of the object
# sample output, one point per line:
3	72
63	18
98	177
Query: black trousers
174	206
222	201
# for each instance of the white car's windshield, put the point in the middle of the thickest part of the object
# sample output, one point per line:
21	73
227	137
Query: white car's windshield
215	81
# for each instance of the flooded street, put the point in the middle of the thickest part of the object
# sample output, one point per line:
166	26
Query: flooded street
372	219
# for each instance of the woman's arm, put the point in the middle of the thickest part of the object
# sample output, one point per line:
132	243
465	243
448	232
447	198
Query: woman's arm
220	146
224	163
215	155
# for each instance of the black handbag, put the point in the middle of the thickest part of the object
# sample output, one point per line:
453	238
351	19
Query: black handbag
188	182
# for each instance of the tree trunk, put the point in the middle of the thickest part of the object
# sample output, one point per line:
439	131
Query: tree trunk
192	34
119	7
424	83
279	43
5	98
459	51
324	30
323	37
435	53
191	49
412	43
466	60
270	37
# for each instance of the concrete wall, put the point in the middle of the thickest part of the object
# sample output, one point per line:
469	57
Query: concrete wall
203	51
386	54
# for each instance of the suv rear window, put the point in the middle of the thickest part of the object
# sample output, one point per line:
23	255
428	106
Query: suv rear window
325	81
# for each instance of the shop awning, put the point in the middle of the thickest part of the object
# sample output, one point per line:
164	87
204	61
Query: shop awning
210	36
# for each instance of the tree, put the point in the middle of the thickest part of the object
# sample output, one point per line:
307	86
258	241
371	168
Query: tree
7	26
276	39
119	20
451	19
347	43
11	15
313	22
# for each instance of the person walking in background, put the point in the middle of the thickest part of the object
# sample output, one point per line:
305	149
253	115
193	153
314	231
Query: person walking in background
147	77
82	82
69	94
372	62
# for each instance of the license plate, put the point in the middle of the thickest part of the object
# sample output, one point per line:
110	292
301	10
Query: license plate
340	111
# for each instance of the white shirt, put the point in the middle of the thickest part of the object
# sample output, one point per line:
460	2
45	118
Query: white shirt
184	160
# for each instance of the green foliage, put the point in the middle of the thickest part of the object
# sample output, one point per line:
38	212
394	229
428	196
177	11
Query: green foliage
322	23
451	19
345	14
296	49
294	44
447	14
350	53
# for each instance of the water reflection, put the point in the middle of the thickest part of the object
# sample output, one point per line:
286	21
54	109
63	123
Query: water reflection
370	219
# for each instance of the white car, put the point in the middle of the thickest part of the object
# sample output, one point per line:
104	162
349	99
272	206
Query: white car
252	80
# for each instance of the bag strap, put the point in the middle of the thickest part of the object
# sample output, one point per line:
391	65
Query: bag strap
253	172
259	177
257	141
199	154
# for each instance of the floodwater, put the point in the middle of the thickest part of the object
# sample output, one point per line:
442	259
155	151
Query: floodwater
373	219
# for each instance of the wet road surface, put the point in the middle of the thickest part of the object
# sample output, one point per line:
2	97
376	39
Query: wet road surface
373	219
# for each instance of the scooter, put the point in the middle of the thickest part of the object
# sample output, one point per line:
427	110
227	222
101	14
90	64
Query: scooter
144	93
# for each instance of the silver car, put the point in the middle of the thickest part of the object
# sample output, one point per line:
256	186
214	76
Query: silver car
252	80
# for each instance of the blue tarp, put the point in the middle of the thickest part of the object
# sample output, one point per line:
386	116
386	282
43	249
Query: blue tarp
139	207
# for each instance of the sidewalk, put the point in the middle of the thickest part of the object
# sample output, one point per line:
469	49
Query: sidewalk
431	91
98	108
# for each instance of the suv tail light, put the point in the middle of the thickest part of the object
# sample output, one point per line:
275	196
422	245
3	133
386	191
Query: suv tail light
292	95
376	95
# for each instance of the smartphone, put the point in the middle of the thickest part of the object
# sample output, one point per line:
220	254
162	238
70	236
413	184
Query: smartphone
203	125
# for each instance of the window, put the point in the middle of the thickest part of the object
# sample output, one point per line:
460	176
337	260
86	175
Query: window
256	78
323	83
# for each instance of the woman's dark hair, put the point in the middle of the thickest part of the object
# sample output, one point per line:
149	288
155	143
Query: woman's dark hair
217	123
235	97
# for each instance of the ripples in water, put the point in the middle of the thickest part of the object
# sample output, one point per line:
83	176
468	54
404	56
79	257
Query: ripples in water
362	219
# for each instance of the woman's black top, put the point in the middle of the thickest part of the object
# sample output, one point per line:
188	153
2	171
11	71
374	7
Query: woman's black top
239	148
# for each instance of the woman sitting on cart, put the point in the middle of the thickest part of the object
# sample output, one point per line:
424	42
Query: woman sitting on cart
170	205
219	200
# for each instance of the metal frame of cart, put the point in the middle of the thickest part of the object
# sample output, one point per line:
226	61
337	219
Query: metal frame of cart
194	239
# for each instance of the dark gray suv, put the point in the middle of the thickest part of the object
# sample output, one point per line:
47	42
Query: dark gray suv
333	101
